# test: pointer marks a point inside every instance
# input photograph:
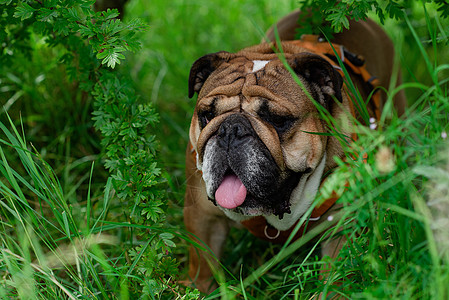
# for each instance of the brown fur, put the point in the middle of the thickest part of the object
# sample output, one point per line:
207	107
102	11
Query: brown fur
238	91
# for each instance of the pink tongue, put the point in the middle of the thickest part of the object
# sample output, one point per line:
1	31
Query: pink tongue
231	192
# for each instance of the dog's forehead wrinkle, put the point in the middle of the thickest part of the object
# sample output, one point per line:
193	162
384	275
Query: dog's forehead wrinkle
208	102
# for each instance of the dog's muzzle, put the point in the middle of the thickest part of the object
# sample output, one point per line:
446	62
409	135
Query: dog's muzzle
240	172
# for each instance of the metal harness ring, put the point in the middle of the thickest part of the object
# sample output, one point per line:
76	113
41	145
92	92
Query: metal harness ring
271	237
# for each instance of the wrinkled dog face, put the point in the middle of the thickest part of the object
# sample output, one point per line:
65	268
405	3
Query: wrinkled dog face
251	126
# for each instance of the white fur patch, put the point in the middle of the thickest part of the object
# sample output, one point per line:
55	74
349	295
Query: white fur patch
300	199
207	166
259	64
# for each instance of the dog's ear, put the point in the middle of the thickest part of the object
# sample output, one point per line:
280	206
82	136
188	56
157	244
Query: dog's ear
317	70
203	67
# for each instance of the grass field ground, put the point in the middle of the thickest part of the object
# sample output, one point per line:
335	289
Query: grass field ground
402	208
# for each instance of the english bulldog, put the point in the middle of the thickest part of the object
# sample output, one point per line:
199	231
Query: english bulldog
253	151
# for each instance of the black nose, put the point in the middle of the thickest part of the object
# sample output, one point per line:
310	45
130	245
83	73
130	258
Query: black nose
234	131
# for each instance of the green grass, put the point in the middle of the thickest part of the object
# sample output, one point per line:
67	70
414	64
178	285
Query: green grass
41	231
54	205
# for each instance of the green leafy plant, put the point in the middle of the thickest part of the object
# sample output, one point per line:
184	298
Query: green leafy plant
330	17
91	44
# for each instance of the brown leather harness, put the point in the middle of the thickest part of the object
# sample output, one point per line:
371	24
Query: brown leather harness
259	226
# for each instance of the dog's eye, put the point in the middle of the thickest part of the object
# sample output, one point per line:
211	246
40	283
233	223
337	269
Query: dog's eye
205	117
280	123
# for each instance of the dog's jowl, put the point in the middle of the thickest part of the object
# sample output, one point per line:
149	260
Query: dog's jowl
253	157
